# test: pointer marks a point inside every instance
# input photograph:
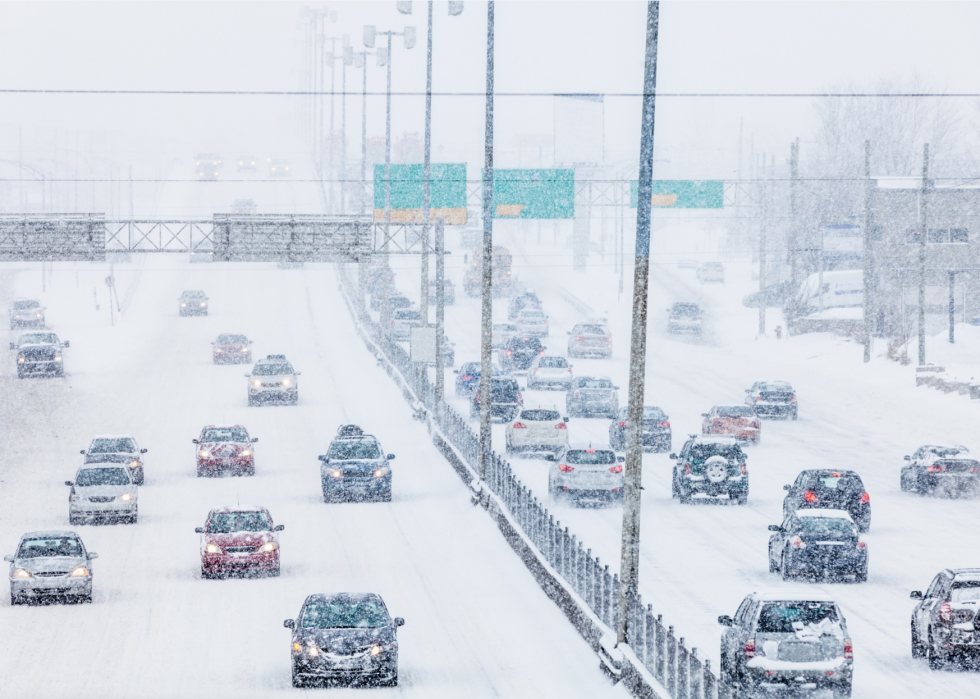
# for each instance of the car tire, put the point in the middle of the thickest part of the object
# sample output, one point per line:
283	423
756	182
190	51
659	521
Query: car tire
861	575
918	650
249	471
74	521
200	473
675	491
794	417
842	691
772	566
251	402
904	482
385	496
683	495
20	374
743	498
134	518
783	568
937	660
274	573
15	600
60	373
298	682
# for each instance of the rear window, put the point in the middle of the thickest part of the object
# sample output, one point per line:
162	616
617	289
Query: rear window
590	330
553	363
407	315
735	411
785	387
232	340
836	482
271	369
654	414
790	617
702	452
399	302
540	415
595	383
504	389
526	343
590	456
685	309
532	314
224	434
965	591
945	452
826	525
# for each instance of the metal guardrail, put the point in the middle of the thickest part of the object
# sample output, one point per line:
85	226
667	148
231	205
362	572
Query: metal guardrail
680	672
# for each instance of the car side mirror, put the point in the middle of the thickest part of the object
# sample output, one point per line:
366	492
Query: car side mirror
673	456
92	555
194	441
322	457
704	414
390	457
748	390
81	451
198	530
143	451
915	594
299	373
9	558
280	527
399	621
550	457
787	487
907	457
725	620
621	459
69	484
289	624
615	388
66	343
775	528
254	439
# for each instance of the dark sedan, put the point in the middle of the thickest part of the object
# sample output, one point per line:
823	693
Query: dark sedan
825	488
941	470
818	543
346	637
519	352
656	430
505	401
468	378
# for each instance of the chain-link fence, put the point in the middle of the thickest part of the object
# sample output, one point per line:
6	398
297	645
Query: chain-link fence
679	670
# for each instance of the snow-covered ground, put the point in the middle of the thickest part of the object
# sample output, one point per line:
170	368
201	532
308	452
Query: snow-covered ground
699	561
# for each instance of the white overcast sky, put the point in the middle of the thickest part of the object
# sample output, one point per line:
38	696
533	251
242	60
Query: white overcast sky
541	47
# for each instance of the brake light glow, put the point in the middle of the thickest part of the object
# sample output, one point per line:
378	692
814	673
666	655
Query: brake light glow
745	470
476	397
754	423
520	399
797	543
687	469
509	353
520	426
622	423
810	497
578	339
792	399
466	377
618	468
758	399
862	545
946	612
590	451
835	475
565	467
848	649
663	424
577	394
561	426
936	469
865	498
750	648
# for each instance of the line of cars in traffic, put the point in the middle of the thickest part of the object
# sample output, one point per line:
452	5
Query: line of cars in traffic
39	353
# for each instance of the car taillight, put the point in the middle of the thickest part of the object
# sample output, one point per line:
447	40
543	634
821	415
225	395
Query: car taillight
745	470
520	426
754	423
750	648
509	353
577	395
687	469
792	399
466	377
565	467
622	423
542	351
946	612
862	545
797	543
663	424
536	368
674	317
618	468
569	370
520	399
809	496
936	469
865	498
607	339
578	339
758	399
476	397
561	426
848	649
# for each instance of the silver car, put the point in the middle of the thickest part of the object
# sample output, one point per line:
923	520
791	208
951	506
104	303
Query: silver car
50	565
26	312
402	322
273	380
584	473
103	492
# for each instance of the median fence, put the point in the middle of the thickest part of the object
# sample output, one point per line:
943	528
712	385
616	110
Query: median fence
656	662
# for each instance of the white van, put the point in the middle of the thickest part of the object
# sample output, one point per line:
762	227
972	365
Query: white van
837	289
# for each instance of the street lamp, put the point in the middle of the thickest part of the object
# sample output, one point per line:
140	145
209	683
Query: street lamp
370	33
360	62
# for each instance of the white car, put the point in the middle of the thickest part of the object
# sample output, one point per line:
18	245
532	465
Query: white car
684	317
711	272
117	449
103	492
549	372
50	565
533	322
537	430
502	334
584	473
402	322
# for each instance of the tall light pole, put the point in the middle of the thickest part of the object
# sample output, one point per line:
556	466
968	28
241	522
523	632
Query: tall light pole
923	235
360	61
486	358
633	478
370	32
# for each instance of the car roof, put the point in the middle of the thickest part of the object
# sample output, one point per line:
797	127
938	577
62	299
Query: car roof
958	447
24	298
964	573
222	427
323	596
273	359
791	596
50	533
359	438
192	292
774	383
238	508
828	513
113	436
731	405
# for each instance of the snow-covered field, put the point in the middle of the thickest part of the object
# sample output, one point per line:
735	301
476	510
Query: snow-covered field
699	561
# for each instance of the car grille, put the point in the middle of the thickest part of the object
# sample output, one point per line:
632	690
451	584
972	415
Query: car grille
239	549
271	385
52	574
358	474
101	498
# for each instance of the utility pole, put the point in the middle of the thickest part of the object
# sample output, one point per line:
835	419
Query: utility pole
348	59
440	315
633	478
868	306
952	301
794	166
923	235
426	177
762	255
486	358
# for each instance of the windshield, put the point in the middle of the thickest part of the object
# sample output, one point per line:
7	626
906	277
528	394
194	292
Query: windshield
590	456
91	458
788	617
735	411
351	449
112	446
232	340
25	305
53	546
407	315
360	614
271	369
224	434
504	390
505	327
227	522
685	309
595	383
827	525
193	294
540	415
965	591
39	339
553	363
102	476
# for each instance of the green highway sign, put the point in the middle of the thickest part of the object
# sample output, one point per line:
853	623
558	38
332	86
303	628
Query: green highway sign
534	194
448	190
684	194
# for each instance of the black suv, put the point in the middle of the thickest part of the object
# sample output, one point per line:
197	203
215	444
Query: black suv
656	429
710	467
945	622
818	543
505	401
825	488
519	352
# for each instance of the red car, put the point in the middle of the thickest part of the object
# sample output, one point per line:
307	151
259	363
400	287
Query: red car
225	449
739	421
241	540
232	349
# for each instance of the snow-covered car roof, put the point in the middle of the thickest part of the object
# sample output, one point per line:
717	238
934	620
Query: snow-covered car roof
966	573
360	438
946	447
832	514
223	427
791	596
238	508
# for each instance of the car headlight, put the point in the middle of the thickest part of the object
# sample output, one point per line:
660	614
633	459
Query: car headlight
246	452
203	305
80	572
268	547
183	305
375	650
212	548
204	454
126	497
22	574
73	497
257	382
134	463
21	359
57	357
40	315
313	651
286	382
335	474
380	472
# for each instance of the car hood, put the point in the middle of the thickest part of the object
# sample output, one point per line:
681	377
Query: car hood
355	464
240	538
50	564
223	449
88	491
347	641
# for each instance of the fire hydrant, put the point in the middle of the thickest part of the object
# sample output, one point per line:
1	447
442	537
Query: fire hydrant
779	332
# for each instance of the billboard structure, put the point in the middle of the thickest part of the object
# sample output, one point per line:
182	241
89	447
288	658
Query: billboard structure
448	193
683	194
534	194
